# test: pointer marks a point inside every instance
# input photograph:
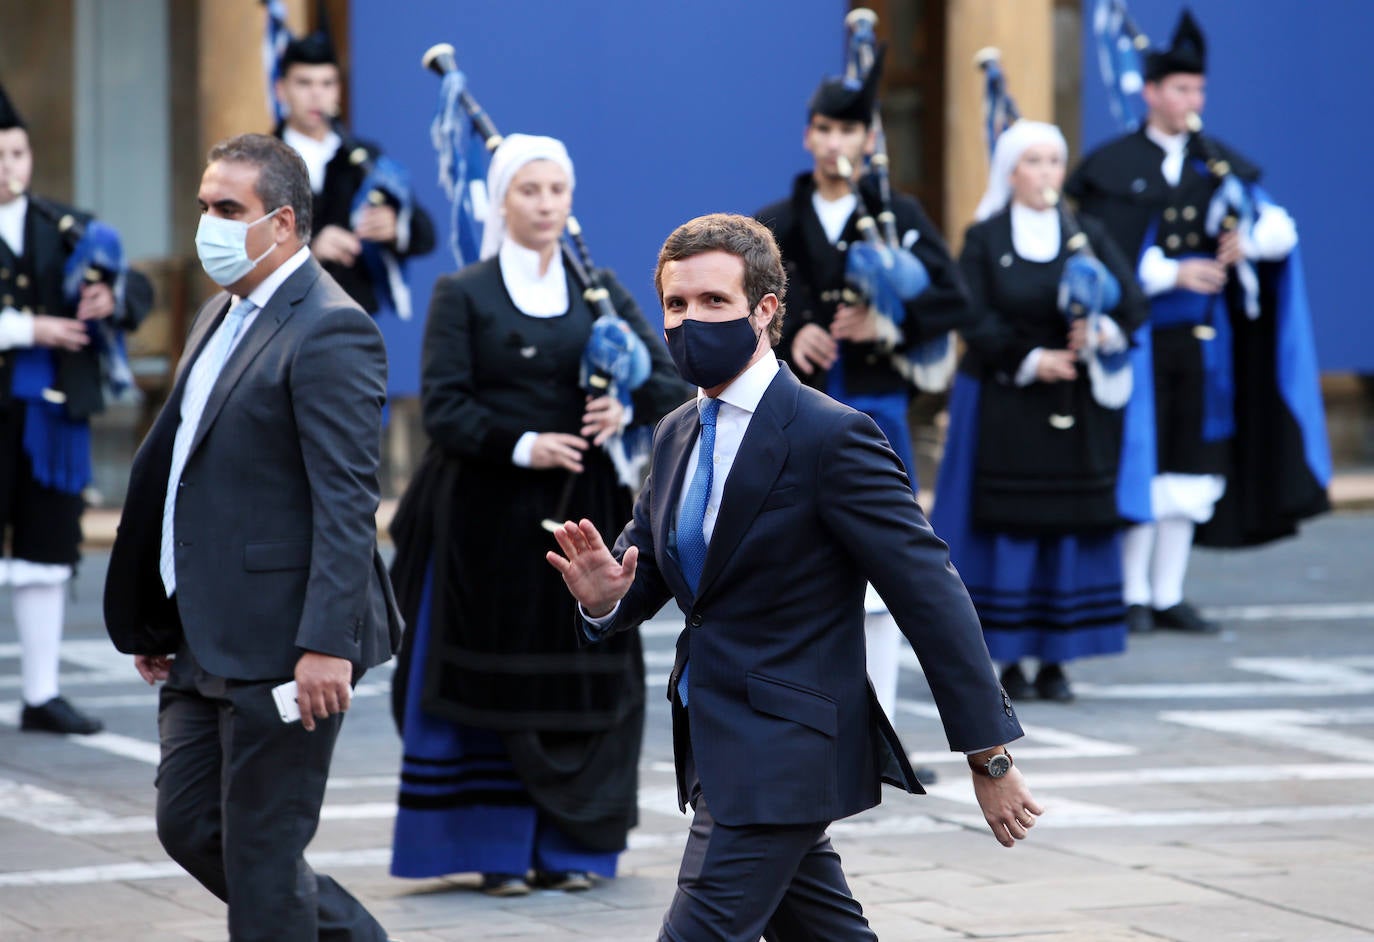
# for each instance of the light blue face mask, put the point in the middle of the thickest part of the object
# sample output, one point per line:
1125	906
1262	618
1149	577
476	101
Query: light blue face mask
222	245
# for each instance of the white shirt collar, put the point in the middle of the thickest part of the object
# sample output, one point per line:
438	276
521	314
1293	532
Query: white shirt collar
316	154
534	294
748	387
263	292
834	214
1175	148
1035	232
1171	143
12	216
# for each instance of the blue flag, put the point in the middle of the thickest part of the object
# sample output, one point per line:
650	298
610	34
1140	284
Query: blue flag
274	42
462	156
999	108
1120	47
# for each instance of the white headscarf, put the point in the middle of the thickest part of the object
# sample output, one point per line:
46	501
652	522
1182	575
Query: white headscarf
516	151
1014	142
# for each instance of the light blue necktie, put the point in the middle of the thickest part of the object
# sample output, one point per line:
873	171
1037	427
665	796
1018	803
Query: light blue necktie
691	533
199	384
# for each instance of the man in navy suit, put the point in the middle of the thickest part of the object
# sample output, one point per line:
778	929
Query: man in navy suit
768	506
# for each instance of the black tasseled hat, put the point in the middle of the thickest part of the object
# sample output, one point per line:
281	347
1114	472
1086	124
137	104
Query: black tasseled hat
848	99
314	49
9	116
1187	52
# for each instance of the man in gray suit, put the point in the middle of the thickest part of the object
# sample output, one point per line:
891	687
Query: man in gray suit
247	553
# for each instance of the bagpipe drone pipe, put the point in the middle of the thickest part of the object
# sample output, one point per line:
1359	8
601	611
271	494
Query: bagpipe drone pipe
880	271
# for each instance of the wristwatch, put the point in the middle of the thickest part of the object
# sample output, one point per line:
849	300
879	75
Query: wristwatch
996	765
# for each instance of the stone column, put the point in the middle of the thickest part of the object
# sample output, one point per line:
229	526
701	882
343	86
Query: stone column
1024	31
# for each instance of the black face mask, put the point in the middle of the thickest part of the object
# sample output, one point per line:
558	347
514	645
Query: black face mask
711	353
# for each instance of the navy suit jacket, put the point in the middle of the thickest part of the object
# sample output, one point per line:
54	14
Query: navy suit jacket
784	725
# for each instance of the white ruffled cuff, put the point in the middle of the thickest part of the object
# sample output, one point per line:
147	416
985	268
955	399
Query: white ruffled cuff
1157	273
16	329
1025	373
523	455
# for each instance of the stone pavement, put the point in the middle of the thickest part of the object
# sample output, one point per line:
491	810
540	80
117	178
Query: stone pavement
1200	790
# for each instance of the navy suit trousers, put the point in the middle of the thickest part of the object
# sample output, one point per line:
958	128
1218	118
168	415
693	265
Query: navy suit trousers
781	882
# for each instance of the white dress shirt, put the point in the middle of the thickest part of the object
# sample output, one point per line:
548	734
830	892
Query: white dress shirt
191	412
12	215
738	403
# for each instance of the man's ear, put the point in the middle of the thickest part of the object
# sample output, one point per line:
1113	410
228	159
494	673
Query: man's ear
284	224
766	309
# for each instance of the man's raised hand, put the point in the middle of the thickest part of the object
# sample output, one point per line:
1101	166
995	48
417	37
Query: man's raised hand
592	574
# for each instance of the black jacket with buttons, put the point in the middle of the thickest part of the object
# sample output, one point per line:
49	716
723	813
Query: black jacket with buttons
333	206
1122	184
32	283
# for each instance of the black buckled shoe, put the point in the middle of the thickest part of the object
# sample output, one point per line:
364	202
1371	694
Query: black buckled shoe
1139	619
1015	683
58	716
569	881
1183	617
1051	683
504	884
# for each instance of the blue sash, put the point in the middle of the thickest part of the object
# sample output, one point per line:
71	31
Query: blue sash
58	447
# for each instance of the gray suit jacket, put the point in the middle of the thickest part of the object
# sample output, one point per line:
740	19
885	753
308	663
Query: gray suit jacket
276	549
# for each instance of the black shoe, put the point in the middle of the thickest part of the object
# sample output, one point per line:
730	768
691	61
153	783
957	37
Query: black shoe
1139	619
1053	684
504	884
58	716
569	881
1183	617
1015	683
925	774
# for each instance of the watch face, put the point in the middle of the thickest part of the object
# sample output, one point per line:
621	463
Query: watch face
999	765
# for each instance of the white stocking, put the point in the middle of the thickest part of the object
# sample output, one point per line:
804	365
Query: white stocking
1172	546
38	611
1137	546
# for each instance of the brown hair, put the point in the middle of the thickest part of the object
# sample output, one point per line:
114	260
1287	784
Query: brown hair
748	240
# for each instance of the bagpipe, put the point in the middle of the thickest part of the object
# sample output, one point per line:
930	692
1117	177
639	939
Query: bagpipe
880	271
615	361
1087	290
95	255
385	183
1232	209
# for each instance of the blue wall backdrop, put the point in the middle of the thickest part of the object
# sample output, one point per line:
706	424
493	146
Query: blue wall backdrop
669	109
1288	86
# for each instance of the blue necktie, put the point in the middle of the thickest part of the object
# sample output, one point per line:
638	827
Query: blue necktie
691	534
